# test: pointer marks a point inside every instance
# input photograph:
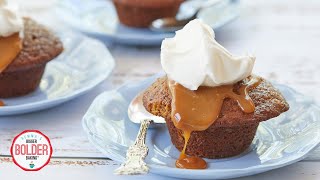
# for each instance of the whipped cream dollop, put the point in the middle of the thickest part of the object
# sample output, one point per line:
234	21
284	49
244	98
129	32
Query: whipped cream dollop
10	19
194	58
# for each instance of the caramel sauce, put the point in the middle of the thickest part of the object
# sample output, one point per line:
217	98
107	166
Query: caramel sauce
9	48
189	162
198	110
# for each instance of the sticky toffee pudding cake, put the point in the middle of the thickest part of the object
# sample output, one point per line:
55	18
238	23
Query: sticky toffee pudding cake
23	60
232	114
211	101
141	13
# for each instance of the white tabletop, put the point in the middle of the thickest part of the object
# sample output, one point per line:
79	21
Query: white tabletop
284	36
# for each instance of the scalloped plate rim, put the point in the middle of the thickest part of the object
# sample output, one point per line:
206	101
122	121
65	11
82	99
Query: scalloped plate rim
202	174
132	39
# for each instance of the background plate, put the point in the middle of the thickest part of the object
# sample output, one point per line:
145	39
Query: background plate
84	63
278	142
98	18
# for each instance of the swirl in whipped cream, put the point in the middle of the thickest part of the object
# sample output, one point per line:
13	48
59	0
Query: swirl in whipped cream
10	20
194	58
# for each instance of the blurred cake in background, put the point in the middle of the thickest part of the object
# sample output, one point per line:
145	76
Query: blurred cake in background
140	13
26	47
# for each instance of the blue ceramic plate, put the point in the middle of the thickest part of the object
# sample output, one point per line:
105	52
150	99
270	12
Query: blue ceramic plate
84	63
279	142
98	18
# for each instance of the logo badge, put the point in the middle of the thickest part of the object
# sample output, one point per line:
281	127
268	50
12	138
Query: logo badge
31	150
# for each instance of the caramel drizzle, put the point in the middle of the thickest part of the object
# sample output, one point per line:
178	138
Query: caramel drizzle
189	162
10	47
198	110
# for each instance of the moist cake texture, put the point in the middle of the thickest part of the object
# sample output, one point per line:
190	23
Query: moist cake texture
39	47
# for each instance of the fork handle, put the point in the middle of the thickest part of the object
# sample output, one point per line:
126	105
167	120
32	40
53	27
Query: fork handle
141	137
136	154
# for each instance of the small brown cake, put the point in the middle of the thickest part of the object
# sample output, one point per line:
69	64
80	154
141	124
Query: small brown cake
233	131
140	13
23	75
